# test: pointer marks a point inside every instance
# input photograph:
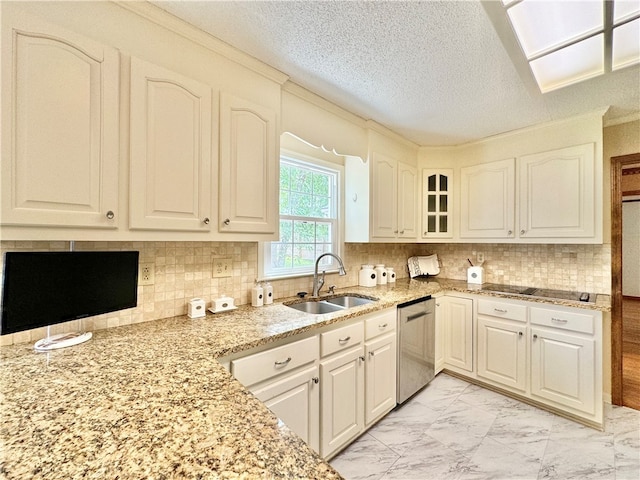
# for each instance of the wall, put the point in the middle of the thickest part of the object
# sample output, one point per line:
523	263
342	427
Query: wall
183	271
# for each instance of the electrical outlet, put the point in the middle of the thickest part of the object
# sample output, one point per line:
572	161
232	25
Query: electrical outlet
221	267
480	257
146	275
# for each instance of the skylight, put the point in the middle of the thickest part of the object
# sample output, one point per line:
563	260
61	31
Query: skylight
568	41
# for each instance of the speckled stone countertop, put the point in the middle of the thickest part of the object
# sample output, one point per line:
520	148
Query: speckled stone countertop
151	401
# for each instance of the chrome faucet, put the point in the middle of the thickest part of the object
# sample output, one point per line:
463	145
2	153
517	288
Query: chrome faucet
319	282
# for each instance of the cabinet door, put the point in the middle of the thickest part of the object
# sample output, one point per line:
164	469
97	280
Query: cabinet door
557	193
563	369
384	197
437	203
487	197
502	352
295	399
60	128
458	332
439	348
170	150
407	201
342	400
249	167
380	377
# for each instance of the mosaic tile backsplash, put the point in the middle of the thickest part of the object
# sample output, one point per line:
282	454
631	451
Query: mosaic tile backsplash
183	270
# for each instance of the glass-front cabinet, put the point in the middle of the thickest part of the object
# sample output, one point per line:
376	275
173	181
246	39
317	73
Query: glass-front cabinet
437	203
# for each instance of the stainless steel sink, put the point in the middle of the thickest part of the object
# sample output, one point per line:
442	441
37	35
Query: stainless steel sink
334	304
348	301
316	307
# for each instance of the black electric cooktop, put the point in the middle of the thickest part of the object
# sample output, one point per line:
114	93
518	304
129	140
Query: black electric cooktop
539	292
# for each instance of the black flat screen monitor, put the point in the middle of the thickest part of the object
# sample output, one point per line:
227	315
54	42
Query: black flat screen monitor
45	288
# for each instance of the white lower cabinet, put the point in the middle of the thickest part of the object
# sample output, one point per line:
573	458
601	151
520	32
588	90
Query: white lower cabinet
502	344
342	380
457	326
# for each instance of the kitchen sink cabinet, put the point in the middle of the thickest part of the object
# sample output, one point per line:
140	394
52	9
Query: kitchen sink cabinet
457	326
437	203
249	167
60	139
394	199
171	157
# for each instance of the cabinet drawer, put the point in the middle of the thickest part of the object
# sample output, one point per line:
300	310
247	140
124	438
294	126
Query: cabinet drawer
261	366
341	338
496	308
574	321
379	324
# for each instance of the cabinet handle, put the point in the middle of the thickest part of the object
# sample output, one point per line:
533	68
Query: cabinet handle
500	310
283	362
345	339
437	304
226	221
535	336
315	380
401	232
372	353
559	320
362	358
520	334
395	231
206	220
110	215
522	232
384	325
509	233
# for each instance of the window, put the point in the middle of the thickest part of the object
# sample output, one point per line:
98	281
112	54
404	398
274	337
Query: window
309	226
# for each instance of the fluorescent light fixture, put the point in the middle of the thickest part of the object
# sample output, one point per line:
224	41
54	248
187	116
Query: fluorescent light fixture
626	45
564	40
624	9
543	25
571	64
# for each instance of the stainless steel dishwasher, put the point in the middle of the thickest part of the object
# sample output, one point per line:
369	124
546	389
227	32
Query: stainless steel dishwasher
416	346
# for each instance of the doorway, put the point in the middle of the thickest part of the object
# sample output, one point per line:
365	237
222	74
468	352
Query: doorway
625	305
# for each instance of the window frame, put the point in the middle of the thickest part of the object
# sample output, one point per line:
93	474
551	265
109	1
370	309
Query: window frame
337	241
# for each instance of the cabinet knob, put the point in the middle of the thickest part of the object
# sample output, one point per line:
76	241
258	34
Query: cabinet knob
522	232
401	232
372	353
520	333
206	220
395	231
110	215
315	380
509	233
226	221
535	336
362	358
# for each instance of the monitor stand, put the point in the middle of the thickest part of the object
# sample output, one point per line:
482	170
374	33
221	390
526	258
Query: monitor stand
61	340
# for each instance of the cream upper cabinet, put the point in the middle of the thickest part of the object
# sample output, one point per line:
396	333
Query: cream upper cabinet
59	128
394	208
487	200
249	166
437	203
557	193
170	183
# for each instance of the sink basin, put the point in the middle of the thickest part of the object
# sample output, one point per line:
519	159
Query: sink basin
316	307
339	302
348	301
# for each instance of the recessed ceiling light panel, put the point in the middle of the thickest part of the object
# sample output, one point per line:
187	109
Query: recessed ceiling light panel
543	25
626	45
569	65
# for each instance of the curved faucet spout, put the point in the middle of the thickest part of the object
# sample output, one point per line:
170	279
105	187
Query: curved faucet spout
319	282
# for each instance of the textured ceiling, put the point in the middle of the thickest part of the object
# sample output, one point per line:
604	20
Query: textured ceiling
437	72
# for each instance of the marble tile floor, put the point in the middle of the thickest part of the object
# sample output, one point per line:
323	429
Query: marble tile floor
456	430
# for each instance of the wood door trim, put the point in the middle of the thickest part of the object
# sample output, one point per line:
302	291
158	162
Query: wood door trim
617	164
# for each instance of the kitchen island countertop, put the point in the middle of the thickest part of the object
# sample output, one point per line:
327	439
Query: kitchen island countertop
150	400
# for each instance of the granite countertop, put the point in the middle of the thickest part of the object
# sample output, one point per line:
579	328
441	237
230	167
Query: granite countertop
151	401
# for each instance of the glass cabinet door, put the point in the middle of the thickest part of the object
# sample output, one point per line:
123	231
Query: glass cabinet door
437	199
